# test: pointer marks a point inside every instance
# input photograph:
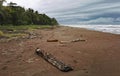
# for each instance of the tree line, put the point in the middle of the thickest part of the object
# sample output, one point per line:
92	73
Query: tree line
17	15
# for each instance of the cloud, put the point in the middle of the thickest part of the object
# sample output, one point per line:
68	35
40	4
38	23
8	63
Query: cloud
77	11
100	20
35	4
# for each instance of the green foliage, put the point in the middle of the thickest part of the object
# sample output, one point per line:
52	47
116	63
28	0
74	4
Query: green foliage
17	15
1	33
19	31
24	27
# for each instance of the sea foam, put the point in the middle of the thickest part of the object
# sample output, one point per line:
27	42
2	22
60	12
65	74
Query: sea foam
115	29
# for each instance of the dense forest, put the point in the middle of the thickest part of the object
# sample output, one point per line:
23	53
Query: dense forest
12	14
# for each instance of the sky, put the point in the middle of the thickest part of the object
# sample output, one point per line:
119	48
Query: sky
77	11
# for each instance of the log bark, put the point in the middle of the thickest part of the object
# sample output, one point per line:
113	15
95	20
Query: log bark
52	60
52	40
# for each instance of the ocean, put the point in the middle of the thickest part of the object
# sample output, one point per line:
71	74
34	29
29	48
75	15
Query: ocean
114	29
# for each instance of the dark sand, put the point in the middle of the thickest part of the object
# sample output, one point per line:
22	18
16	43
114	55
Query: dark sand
99	55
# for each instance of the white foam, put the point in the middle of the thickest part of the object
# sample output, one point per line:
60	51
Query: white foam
115	29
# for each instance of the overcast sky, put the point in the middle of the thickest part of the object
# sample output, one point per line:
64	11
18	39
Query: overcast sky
77	11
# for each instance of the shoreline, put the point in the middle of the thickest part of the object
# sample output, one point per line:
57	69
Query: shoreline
107	29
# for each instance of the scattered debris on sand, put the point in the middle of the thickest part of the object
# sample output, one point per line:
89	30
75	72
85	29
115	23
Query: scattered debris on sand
4	67
31	60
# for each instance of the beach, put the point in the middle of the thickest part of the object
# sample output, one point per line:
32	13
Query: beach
96	54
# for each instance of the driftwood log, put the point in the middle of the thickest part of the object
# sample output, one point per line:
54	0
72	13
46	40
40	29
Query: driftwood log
52	40
52	60
77	40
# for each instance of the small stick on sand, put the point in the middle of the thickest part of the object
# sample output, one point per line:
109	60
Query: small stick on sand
52	40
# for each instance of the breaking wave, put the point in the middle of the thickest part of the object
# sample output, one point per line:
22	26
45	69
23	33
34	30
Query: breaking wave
115	29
